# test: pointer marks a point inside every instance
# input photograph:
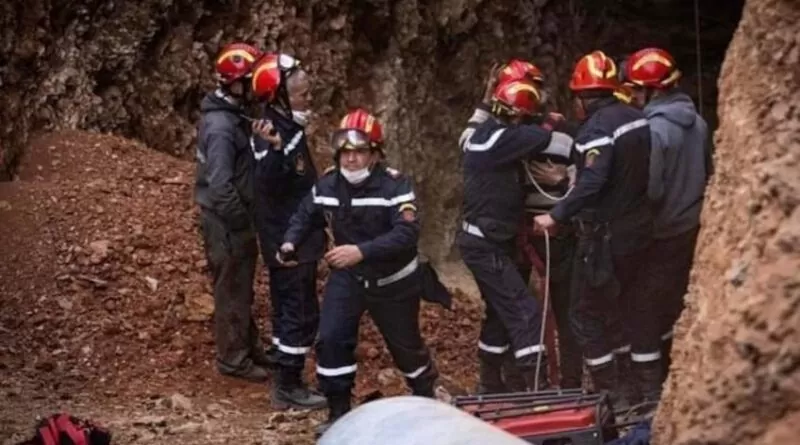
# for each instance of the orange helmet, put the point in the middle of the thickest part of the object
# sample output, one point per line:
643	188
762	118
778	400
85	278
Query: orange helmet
358	129
269	72
235	62
517	69
594	71
652	68
517	97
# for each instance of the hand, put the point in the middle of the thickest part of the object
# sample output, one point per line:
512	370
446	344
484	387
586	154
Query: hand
344	256
545	172
286	251
491	83
543	223
266	130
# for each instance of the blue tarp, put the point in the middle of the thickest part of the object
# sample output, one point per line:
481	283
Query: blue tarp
639	435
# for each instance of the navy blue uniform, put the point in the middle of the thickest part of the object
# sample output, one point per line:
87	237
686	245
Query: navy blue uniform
283	179
614	220
224	192
493	212
379	216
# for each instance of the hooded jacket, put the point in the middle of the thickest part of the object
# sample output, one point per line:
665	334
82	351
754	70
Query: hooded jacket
224	183
680	163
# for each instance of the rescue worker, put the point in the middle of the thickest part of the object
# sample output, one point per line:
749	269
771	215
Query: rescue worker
371	215
552	180
614	220
285	174
493	213
680	166
224	191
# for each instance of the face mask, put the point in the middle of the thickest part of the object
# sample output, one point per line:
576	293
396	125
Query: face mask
301	117
355	177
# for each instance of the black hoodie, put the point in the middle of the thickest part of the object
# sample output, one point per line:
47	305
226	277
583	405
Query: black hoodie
225	164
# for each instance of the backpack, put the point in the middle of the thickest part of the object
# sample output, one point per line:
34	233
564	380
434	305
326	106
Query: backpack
63	429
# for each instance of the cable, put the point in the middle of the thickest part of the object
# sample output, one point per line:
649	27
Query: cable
544	308
699	57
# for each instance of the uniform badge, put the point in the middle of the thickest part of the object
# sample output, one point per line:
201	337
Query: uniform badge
408	211
300	164
591	155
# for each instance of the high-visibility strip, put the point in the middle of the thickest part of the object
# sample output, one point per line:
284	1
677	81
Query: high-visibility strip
608	140
383	202
492	349
599	142
472	229
293	143
336	372
535	349
622	349
417	372
324	200
469	146
666	336
276	341
608	358
293	350
630	126
647	357
407	270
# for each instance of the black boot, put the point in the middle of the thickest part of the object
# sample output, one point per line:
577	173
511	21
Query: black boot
290	391
648	380
604	379
338	406
626	386
533	380
424	384
490	375
512	376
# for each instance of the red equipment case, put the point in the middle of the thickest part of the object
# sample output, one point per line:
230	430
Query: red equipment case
568	417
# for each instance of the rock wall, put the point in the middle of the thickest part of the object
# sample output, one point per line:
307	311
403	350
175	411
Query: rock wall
736	376
139	69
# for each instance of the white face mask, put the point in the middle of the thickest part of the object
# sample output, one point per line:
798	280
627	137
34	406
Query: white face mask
301	117
356	176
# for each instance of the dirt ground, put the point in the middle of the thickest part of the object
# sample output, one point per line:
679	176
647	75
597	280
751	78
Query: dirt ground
106	311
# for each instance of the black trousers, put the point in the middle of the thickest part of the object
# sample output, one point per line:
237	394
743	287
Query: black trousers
513	316
295	312
395	310
232	257
620	303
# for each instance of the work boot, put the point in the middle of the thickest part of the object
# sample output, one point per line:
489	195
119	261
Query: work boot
424	384
626	385
604	379
290	391
266	359
338	406
252	373
532	377
512	376
490	376
648	380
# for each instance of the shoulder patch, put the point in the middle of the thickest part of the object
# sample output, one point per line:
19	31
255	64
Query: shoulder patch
392	172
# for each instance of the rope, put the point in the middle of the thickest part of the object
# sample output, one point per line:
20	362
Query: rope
542	192
545	306
699	57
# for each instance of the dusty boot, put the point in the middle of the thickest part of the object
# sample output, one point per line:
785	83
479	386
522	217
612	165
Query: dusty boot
532	377
648	380
490	375
512	376
338	406
265	358
251	373
424	385
604	379
625	386
290	392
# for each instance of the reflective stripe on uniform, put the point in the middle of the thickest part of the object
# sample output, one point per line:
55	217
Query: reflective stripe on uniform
383	202
606	140
608	358
417	372
492	349
535	349
407	270
336	372
485	146
293	143
622	349
647	357
324	200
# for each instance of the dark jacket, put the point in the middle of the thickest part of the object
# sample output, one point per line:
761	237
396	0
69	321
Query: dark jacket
679	163
283	179
493	194
613	145
379	216
224	179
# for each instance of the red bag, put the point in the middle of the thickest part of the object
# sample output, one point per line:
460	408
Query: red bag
63	429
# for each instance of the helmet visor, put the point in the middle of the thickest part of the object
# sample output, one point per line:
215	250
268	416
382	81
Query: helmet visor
350	140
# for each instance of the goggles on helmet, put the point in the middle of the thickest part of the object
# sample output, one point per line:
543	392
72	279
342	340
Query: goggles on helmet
287	63
350	139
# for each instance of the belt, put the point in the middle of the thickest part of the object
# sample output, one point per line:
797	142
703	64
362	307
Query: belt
407	270
472	229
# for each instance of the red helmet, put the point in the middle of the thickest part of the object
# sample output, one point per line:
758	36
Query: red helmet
517	69
235	61
652	68
267	74
517	97
358	129
594	71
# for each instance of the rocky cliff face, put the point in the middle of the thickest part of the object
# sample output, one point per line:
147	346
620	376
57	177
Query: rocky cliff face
736	377
140	69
